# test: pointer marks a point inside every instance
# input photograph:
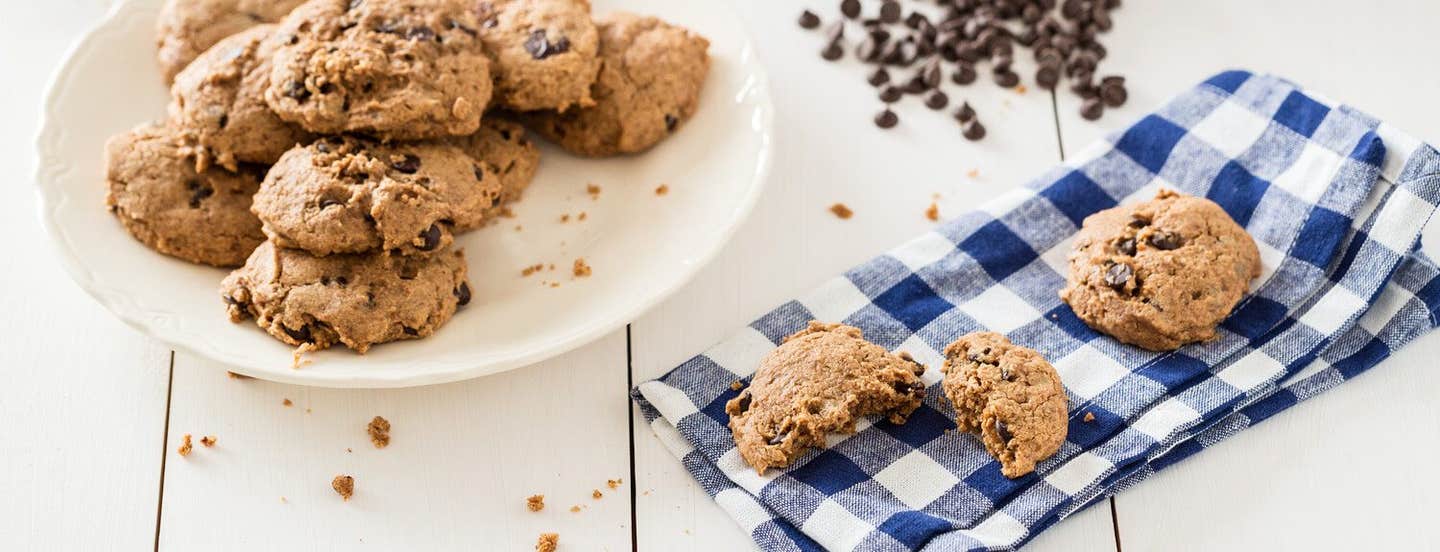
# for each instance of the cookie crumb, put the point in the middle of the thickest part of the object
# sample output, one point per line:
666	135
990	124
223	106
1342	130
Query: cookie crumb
307	410
283	500
547	542
575	509
518	227
1020	89
581	216
507	213
554	284
208	441
840	210
535	503
348	449
580	269
344	485
646	493
593	190
736	385
1089	417
379	430
973	173
233	375
185	446
662	190
613	483
287	402
596	494
565	218
933	212
537	267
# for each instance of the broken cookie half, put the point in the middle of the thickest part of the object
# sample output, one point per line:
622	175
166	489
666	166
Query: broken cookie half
820	380
1008	395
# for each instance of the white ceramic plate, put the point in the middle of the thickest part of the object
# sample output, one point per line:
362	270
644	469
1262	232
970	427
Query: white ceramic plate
642	246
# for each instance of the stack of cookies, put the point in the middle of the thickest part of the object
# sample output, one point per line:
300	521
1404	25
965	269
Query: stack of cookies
333	152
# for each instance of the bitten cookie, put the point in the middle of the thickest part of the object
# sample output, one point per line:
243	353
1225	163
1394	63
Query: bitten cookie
155	192
352	195
820	380
218	105
357	300
543	52
1162	273
1010	396
502	146
186	28
392	69
651	73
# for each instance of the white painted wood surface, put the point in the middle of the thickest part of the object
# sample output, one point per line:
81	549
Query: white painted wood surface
87	401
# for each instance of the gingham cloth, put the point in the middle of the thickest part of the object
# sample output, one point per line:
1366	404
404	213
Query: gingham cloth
1335	200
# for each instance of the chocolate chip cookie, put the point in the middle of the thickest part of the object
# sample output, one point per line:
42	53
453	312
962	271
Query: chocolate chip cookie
651	73
502	147
543	52
392	69
1010	396
188	27
819	381
218	103
351	195
358	300
1160	274
156	193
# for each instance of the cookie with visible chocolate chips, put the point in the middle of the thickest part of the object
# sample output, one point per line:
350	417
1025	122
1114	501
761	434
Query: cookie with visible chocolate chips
501	146
356	300
1160	274
1010	396
391	69
217	104
543	52
651	74
821	380
156	193
186	28
352	195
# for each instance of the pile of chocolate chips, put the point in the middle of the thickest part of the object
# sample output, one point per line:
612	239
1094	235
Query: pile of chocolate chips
971	32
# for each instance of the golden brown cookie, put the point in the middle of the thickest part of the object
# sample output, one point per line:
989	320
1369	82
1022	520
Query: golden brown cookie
543	52
392	69
186	28
1010	396
821	380
1162	273
218	104
502	147
358	300
156	193
651	73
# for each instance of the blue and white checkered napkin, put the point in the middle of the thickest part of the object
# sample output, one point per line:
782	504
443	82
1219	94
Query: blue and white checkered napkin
1336	201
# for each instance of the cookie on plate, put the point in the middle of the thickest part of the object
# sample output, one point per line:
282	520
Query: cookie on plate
392	69
186	28
352	195
651	73
1010	396
156	193
821	380
502	146
1160	274
543	52
358	300
218	104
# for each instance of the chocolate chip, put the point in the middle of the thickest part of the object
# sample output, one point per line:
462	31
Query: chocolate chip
808	20
1113	92
879	76
915	389
1126	246
972	130
1166	241
540	47
937	100
410	331
1007	78
869	49
835	32
915	85
850	8
1004	374
1091	109
420	33
462	28
930	73
965	113
1002	431
964	74
890	11
886	119
410	164
199	193
1118	274
670	122
327	203
744	404
778	438
296	90
1137	221
479	173
890	94
224	120
832	52
462	294
302	335
431	236
1047	77
342	281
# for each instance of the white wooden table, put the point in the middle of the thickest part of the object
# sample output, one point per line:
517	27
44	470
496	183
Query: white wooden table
93	412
